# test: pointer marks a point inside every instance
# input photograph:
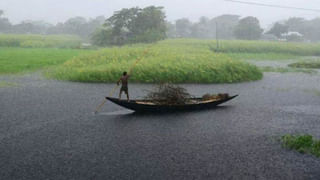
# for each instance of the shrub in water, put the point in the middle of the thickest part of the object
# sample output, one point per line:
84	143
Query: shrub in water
303	144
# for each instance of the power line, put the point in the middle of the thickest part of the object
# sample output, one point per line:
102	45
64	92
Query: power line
272	5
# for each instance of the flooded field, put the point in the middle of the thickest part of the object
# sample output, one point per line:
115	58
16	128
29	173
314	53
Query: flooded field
47	128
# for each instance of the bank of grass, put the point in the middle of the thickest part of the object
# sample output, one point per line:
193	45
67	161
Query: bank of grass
39	41
286	70
302	144
311	65
167	61
255	50
267	47
263	56
17	60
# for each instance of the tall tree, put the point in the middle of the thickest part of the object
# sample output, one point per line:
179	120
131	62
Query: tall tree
102	36
78	26
120	23
201	29
183	27
171	30
278	29
149	25
25	27
207	28
137	25
312	30
297	24
226	25
248	28
5	25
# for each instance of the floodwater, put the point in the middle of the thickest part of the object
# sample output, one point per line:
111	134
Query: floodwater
48	131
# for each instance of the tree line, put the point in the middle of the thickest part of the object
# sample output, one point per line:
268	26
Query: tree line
223	27
143	25
76	26
247	28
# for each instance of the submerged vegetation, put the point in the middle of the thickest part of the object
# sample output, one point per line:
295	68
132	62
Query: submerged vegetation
286	70
302	143
315	92
312	65
175	61
39	41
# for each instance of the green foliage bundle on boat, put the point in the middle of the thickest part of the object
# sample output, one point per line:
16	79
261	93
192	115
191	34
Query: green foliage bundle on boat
169	94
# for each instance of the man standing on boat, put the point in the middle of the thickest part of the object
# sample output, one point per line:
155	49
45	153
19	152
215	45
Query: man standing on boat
124	82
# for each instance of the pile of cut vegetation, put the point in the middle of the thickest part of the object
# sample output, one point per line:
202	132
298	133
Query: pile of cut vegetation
209	97
169	94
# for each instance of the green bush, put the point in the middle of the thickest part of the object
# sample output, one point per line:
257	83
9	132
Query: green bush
102	37
302	143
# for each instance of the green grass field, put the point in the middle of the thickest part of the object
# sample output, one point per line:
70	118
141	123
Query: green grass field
173	60
262	56
16	60
268	47
167	61
39	41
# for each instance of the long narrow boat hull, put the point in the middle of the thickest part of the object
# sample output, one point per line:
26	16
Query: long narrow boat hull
148	107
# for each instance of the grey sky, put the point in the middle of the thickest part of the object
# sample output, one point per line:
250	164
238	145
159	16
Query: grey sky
54	11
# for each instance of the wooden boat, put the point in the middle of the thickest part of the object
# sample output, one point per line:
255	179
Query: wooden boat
149	106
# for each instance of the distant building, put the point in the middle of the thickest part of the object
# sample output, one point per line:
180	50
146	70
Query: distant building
85	45
292	33
293	36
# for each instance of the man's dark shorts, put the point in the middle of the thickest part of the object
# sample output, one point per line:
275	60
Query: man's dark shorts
125	89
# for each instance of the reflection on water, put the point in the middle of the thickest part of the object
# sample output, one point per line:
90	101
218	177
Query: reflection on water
128	113
121	112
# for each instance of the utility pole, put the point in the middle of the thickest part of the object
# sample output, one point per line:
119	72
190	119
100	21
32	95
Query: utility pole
217	35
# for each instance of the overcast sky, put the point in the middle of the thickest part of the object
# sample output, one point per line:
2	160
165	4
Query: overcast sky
54	11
